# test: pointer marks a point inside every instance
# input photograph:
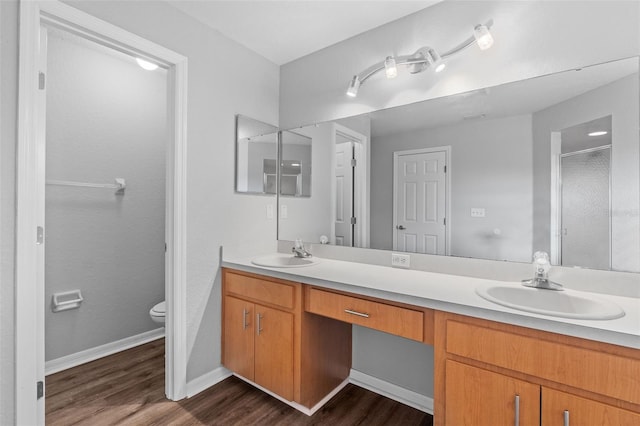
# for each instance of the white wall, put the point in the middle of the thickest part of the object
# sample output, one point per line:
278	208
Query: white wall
532	38
106	118
490	168
617	99
309	217
8	135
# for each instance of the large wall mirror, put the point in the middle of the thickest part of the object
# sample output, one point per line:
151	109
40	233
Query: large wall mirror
550	163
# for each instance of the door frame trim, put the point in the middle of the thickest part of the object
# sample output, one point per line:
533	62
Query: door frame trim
29	282
447	204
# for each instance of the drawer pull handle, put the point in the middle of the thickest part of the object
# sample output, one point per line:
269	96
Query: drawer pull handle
566	417
517	415
360	314
259	328
245	312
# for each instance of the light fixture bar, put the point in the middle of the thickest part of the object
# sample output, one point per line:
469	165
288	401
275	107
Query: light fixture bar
422	59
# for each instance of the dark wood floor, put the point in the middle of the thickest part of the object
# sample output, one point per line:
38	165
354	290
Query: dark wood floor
128	389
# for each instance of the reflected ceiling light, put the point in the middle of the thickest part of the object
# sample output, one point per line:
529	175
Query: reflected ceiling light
483	37
598	133
149	66
390	69
423	58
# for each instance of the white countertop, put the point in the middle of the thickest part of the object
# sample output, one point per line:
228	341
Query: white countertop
450	293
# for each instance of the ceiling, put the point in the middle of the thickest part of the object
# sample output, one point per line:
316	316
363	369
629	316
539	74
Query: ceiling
283	31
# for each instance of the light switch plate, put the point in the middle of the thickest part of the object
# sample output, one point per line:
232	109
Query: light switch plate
284	212
269	211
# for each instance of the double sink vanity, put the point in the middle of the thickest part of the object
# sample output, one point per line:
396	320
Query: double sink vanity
504	354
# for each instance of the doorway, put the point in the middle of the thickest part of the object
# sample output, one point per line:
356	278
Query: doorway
581	176
31	232
104	199
420	200
350	213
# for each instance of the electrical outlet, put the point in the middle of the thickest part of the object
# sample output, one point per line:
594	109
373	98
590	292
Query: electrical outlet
477	212
400	260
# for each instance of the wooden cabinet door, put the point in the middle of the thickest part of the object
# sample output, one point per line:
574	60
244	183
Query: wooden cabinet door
479	397
582	411
238	336
274	350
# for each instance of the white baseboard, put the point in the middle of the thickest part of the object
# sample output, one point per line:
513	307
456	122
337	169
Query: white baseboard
82	357
207	380
395	392
299	407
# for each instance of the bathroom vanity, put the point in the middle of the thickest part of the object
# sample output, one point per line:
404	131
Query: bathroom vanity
289	332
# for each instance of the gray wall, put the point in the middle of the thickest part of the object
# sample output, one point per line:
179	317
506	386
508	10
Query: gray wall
109	246
619	100
490	167
573	34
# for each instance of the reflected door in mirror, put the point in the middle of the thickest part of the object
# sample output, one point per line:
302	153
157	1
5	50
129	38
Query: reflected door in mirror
420	201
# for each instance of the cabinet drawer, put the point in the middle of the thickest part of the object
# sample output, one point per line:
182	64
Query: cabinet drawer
581	411
388	318
261	290
596	371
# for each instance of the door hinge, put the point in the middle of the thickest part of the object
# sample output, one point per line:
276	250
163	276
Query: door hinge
445	221
40	389
41	81
39	235
445	169
353	162
353	220
165	247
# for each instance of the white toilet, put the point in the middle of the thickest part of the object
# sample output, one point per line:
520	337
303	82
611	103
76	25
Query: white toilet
158	312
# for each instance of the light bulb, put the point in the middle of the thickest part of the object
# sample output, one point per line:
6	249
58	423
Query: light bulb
483	36
149	66
390	69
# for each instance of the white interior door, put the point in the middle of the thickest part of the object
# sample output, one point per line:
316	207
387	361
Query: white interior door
343	175
420	201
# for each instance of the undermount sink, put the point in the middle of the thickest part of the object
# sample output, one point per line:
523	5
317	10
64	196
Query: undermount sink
565	304
283	261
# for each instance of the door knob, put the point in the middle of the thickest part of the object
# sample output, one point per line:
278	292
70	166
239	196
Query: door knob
400	227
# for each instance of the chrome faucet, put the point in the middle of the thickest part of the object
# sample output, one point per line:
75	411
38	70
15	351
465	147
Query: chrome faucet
541	266
298	249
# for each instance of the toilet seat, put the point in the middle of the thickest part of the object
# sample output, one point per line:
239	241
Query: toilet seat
159	310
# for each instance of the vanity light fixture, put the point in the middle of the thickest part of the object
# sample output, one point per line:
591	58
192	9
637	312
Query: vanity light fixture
598	133
390	69
483	37
423	58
